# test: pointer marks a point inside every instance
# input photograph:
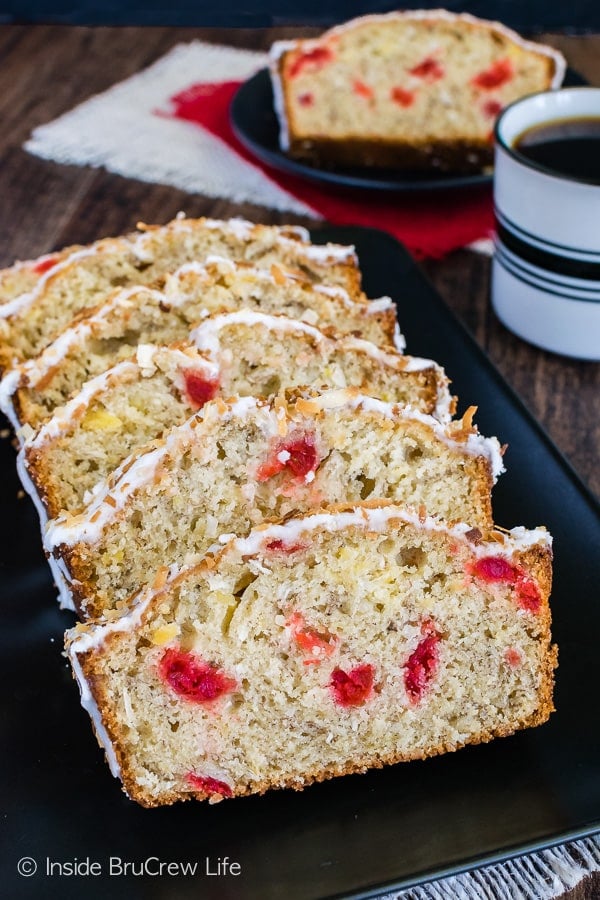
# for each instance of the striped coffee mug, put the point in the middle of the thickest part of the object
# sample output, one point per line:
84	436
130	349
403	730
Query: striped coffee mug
546	268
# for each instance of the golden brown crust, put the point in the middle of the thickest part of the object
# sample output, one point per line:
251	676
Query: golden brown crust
458	156
16	325
45	487
9	357
97	685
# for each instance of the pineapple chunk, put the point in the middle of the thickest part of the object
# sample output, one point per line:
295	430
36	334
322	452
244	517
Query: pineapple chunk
101	420
165	633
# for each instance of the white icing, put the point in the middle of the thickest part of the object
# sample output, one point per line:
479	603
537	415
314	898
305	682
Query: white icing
277	49
94	636
32	371
91	707
199	268
57	567
145	358
16	305
376	519
54	353
73	529
133	473
381	304
399	339
522	538
206	335
62	581
8	386
206	339
408	364
241	228
63	416
24	301
324	253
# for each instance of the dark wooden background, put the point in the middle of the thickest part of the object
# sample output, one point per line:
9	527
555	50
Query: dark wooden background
524	15
46	70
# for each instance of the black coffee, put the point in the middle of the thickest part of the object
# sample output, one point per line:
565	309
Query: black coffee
567	146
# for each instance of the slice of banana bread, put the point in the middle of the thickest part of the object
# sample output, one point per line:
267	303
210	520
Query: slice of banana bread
406	90
242	354
22	277
85	278
238	463
109	334
320	647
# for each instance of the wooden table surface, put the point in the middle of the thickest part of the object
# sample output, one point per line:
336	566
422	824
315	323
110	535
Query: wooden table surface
46	70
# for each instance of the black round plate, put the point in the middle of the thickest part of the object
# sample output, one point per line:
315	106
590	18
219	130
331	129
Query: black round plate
256	126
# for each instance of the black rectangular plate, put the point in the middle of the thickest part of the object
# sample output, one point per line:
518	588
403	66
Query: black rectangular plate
354	836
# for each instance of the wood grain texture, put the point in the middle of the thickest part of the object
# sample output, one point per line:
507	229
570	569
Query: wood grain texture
46	70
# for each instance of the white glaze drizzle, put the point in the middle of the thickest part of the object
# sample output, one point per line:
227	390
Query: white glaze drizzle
229	266
206	335
139	469
24	301
372	519
63	416
8	386
58	568
133	473
137	244
37	368
206	338
376	519
91	707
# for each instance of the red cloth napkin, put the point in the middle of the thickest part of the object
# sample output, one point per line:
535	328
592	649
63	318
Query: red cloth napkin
428	224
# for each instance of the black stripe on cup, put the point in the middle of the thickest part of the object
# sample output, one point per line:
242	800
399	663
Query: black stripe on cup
543	243
543	259
548	280
526	277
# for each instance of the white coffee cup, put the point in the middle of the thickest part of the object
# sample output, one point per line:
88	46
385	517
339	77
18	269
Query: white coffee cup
546	269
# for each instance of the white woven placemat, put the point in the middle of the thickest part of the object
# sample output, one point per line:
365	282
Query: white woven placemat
120	130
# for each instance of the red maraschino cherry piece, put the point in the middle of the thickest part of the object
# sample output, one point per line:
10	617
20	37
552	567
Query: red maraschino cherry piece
402	97
352	688
421	667
311	59
209	785
495	75
199	388
296	455
45	265
192	678
429	69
